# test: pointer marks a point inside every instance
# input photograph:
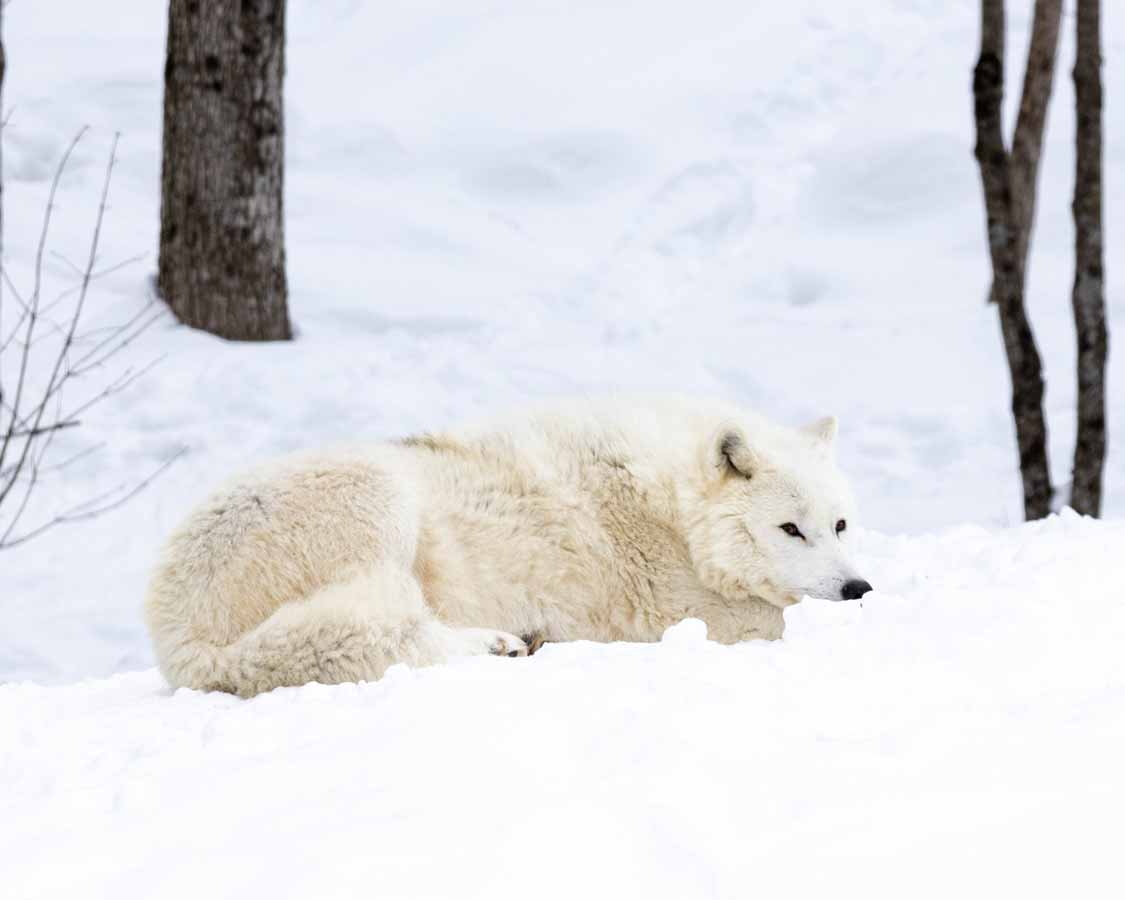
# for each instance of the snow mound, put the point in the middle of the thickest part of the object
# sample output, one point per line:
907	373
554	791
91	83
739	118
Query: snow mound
958	732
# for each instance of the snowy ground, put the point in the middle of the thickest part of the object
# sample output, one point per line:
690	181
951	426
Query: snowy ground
959	734
491	203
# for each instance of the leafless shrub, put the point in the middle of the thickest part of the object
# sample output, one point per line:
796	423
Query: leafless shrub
44	354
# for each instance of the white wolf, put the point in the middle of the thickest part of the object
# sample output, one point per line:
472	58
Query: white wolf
600	523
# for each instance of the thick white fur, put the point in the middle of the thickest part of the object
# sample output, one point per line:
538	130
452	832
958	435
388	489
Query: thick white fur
600	522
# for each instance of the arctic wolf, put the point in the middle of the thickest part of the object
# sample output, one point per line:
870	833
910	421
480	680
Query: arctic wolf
600	523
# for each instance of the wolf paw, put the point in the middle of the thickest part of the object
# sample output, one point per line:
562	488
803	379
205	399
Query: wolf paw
480	641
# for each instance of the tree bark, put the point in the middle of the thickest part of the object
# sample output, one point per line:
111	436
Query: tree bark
222	239
1008	183
1027	142
1088	297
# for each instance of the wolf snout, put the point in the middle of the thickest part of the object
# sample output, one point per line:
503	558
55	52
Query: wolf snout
854	589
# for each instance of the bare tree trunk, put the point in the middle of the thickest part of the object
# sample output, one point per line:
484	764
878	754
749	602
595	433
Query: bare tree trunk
1089	278
1009	199
1027	142
222	241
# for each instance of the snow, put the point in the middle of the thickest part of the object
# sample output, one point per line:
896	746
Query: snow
957	733
490	204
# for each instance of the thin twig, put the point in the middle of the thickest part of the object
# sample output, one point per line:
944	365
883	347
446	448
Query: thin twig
55	426
70	460
22	379
80	513
28	429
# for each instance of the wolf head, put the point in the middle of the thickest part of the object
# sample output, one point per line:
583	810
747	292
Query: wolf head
773	517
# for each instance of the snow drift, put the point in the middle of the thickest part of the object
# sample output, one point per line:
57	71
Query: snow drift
958	732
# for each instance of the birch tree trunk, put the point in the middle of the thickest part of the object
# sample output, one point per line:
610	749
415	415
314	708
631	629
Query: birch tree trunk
1088	298
1009	183
222	239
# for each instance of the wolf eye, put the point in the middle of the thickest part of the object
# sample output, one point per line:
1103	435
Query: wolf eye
841	526
792	530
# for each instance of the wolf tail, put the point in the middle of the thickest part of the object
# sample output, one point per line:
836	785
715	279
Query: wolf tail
350	631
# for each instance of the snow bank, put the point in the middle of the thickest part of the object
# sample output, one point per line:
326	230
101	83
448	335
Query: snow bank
957	733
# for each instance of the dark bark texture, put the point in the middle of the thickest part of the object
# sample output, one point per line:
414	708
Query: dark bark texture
1027	142
222	238
1089	278
1008	183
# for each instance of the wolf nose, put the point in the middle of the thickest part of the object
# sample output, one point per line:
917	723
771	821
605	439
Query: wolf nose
854	589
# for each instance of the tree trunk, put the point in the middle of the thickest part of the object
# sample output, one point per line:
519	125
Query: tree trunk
222	239
1027	142
1089	278
1009	187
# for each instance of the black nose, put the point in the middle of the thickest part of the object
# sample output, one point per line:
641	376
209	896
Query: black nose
854	589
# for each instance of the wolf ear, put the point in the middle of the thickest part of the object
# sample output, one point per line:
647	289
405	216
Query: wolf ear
822	431
732	455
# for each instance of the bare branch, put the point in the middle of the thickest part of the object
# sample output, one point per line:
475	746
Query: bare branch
32	315
147	317
93	508
71	460
54	426
3	126
79	305
32	481
94	276
66	262
31	419
115	387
